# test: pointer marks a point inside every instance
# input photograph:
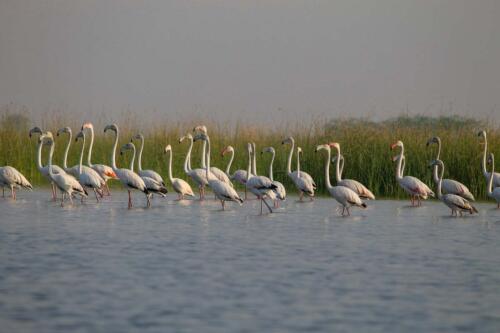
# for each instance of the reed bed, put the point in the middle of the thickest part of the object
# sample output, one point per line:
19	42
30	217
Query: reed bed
365	146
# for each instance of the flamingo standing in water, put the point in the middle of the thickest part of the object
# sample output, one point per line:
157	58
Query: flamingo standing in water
280	189
456	203
493	193
145	173
496	175
66	183
302	180
448	186
411	185
87	176
261	186
344	195
74	169
239	176
10	177
106	172
44	170
152	185
197	175
129	179
180	186
222	190
354	185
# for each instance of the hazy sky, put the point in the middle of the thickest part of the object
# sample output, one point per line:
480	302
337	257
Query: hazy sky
260	58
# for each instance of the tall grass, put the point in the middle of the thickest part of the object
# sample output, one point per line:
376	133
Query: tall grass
365	145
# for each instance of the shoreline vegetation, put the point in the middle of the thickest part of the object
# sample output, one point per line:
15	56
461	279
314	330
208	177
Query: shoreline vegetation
365	145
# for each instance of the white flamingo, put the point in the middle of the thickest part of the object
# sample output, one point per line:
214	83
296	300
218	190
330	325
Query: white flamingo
10	177
354	185
105	171
449	186
456	203
179	185
411	185
152	185
129	179
145	173
44	170
218	173
496	175
87	176
344	195
302	180
301	176
261	186
493	193
280	189
223	191
197	175
239	176
67	184
271	195
74	169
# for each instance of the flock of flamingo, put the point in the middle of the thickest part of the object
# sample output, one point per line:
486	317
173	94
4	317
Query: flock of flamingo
76	180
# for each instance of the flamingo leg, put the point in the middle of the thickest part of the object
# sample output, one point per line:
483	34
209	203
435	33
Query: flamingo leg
62	200
96	197
129	200
343	210
268	207
223	204
348	212
148	200
301	196
54	193
71	199
107	189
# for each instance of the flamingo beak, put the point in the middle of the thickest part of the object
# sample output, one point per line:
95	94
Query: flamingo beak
393	146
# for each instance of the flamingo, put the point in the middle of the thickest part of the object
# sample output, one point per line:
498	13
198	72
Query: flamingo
197	175
456	203
239	176
302	180
301	174
74	169
449	186
280	189
493	193
44	170
180	186
496	175
271	195
145	173
354	185
411	185
66	183
151	184
342	194
106	172
87	176
218	173
223	191
129	179
259	185
10	177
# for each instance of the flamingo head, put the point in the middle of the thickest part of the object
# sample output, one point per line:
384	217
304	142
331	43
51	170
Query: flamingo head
491	159
268	150
288	140
399	143
87	125
127	146
321	147
436	162
200	136
335	145
46	138
434	139
138	136
112	127
201	129
64	130
34	130
226	150
168	148
482	134
79	135
187	136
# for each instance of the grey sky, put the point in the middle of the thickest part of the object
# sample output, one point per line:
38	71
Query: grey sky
350	58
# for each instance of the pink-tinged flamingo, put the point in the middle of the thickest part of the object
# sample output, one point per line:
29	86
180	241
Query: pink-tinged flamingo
197	175
87	176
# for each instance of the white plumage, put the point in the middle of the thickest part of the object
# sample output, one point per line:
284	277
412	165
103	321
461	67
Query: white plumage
280	190
87	176
146	173
496	175
179	185
302	180
10	177
493	193
197	175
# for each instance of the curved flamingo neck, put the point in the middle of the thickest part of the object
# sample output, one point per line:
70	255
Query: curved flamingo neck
133	158
249	167
298	164
113	153
254	160
170	167
203	155
273	155
485	151
492	175
187	161
139	158
399	169
66	151
39	156
51	154
435	168
81	156
290	155
89	155
228	168
207	166
440	182
337	166
327	168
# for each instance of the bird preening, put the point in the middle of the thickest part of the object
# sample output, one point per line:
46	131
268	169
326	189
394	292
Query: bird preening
76	180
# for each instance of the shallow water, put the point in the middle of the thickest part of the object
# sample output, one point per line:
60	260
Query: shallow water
188	267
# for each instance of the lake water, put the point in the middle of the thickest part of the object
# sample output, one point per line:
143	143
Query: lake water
188	267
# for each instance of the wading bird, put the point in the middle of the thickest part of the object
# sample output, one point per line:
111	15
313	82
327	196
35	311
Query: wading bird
411	185
261	186
302	180
456	203
87	176
344	195
106	172
145	173
179	185
10	177
129	179
496	175
74	169
449	186
239	176
280	189
493	193
197	175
